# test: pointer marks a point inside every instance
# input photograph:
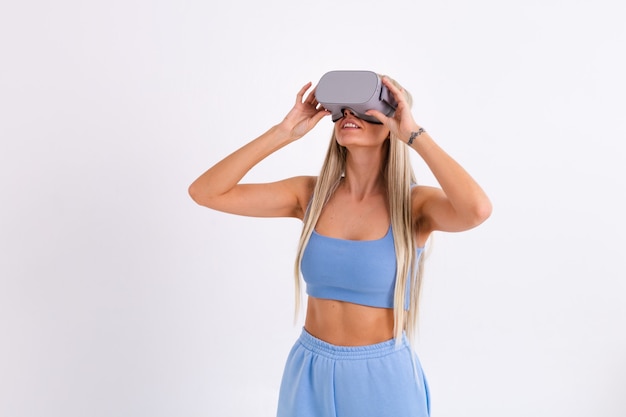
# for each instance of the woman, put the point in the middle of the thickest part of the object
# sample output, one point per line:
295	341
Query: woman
365	224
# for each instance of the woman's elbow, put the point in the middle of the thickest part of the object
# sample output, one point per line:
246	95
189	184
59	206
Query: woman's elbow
482	211
196	194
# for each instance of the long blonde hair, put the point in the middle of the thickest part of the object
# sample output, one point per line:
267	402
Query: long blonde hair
399	176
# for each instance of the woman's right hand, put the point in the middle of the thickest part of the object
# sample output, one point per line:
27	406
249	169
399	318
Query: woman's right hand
304	115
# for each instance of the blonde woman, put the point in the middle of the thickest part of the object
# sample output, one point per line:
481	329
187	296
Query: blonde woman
366	223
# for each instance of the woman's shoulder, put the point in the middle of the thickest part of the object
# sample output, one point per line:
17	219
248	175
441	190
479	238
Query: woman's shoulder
424	191
302	186
420	195
303	183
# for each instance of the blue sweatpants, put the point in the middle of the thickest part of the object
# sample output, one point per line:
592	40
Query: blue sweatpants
380	380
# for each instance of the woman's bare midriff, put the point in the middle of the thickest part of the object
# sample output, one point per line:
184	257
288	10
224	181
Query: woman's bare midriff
346	324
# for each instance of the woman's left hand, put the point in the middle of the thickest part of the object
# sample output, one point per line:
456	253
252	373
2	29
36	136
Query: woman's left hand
401	124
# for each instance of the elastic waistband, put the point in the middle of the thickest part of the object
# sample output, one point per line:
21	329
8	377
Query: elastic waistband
323	348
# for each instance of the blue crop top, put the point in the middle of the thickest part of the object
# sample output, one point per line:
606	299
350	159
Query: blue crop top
357	271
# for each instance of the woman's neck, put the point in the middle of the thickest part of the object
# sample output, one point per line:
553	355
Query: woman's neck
364	173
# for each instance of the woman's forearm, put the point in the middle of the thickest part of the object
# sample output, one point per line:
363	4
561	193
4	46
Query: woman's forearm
466	196
227	173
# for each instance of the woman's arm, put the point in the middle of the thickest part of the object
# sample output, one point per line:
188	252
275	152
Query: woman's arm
218	188
461	203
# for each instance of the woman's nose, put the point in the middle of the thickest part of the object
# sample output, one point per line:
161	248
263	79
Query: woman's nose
348	111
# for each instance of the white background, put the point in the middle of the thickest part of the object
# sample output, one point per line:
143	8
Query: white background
121	297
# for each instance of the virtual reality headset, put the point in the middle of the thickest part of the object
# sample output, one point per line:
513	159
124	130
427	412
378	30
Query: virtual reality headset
358	91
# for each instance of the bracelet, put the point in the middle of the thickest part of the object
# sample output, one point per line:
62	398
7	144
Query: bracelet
414	135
